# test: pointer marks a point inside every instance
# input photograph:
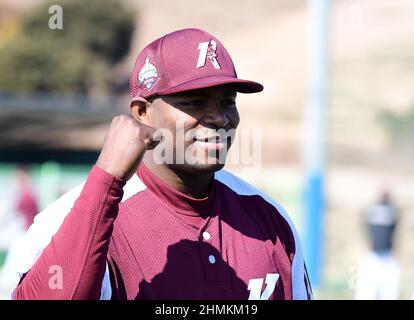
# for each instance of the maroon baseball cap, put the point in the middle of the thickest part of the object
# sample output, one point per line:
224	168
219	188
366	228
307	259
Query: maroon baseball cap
184	60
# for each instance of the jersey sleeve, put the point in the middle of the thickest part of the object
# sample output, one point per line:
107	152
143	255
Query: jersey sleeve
301	287
64	253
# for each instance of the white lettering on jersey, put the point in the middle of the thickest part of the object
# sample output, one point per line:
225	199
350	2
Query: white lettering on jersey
207	50
255	287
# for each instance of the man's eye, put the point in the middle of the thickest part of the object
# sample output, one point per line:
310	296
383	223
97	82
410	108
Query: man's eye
192	103
229	103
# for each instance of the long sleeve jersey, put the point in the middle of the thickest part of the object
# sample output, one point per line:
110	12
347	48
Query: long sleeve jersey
107	239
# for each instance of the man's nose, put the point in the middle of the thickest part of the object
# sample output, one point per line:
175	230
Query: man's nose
216	117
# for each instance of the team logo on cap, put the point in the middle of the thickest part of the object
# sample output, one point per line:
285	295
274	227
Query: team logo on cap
208	51
148	75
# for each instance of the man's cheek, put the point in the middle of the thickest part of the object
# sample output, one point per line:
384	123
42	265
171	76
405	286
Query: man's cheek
234	119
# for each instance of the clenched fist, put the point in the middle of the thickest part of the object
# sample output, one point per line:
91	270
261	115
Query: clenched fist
125	145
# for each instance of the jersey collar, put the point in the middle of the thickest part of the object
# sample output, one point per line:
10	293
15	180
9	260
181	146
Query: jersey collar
174	199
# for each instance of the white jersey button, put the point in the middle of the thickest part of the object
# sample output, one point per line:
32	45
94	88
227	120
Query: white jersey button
212	259
206	235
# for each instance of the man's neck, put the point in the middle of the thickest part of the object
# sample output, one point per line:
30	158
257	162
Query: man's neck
196	186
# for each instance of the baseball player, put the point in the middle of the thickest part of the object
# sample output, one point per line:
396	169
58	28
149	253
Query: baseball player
139	228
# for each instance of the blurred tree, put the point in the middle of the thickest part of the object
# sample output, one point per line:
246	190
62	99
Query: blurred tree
400	128
96	35
27	65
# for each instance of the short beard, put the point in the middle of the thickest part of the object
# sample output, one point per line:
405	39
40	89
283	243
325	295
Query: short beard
196	169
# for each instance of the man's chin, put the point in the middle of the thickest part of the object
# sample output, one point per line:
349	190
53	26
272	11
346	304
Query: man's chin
198	168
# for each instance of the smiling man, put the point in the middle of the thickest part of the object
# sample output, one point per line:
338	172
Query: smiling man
159	219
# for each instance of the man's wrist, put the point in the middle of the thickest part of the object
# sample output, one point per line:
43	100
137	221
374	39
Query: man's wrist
105	176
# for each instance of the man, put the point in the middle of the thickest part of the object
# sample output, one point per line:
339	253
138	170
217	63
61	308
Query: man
381	221
12	235
26	205
180	228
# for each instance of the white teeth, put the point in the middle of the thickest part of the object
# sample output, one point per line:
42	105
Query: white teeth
210	140
215	139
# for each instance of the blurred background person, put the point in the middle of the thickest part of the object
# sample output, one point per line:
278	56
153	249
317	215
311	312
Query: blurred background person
27	203
19	205
21	212
379	271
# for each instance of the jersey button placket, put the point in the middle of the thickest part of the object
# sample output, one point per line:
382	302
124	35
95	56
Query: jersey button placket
207	237
210	254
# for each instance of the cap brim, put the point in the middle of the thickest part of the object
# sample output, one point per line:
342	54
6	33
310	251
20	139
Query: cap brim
240	85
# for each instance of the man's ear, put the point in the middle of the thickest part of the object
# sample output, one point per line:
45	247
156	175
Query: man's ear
139	109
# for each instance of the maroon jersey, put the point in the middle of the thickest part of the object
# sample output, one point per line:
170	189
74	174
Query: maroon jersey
153	242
